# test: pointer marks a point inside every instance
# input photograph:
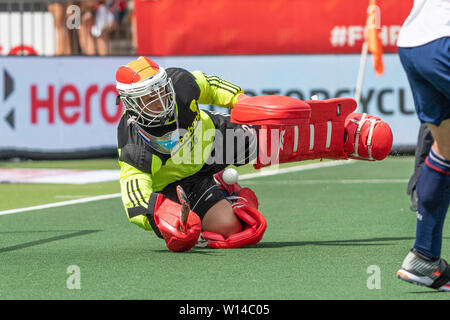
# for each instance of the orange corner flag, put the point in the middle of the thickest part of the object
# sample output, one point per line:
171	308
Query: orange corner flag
372	37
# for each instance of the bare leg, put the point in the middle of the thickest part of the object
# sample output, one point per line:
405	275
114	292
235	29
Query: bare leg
62	34
87	41
103	44
441	137
221	219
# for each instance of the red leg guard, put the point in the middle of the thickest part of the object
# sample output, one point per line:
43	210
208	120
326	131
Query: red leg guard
270	110
332	130
321	137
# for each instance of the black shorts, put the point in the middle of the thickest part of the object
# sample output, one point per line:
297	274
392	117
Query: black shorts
201	189
202	192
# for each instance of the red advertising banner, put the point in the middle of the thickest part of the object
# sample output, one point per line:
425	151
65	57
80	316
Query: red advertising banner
196	27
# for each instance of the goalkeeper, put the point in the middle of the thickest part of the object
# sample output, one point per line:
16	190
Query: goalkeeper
172	154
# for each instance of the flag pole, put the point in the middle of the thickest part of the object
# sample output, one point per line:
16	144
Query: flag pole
362	67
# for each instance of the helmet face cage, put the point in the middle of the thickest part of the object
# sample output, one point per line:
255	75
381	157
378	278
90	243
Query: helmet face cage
141	102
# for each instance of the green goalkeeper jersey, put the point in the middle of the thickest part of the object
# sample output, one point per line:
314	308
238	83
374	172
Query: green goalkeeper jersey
143	169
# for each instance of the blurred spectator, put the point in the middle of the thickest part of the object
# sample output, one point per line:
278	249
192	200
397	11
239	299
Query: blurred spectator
58	10
125	22
87	43
133	25
119	7
97	22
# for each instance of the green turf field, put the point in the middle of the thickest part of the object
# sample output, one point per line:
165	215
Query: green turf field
333	233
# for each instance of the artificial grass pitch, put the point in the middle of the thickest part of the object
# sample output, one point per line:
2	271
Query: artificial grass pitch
333	233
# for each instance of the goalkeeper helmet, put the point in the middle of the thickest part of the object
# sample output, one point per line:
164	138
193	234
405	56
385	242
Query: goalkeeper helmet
146	92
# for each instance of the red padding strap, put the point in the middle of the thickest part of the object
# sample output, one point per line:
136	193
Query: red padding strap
254	226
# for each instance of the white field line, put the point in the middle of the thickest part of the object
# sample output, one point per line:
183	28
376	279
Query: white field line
262	173
70	196
271	172
330	181
61	204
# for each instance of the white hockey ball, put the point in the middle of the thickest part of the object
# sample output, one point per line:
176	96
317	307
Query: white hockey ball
230	176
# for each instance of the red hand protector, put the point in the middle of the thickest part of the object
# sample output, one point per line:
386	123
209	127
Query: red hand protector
168	220
235	189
